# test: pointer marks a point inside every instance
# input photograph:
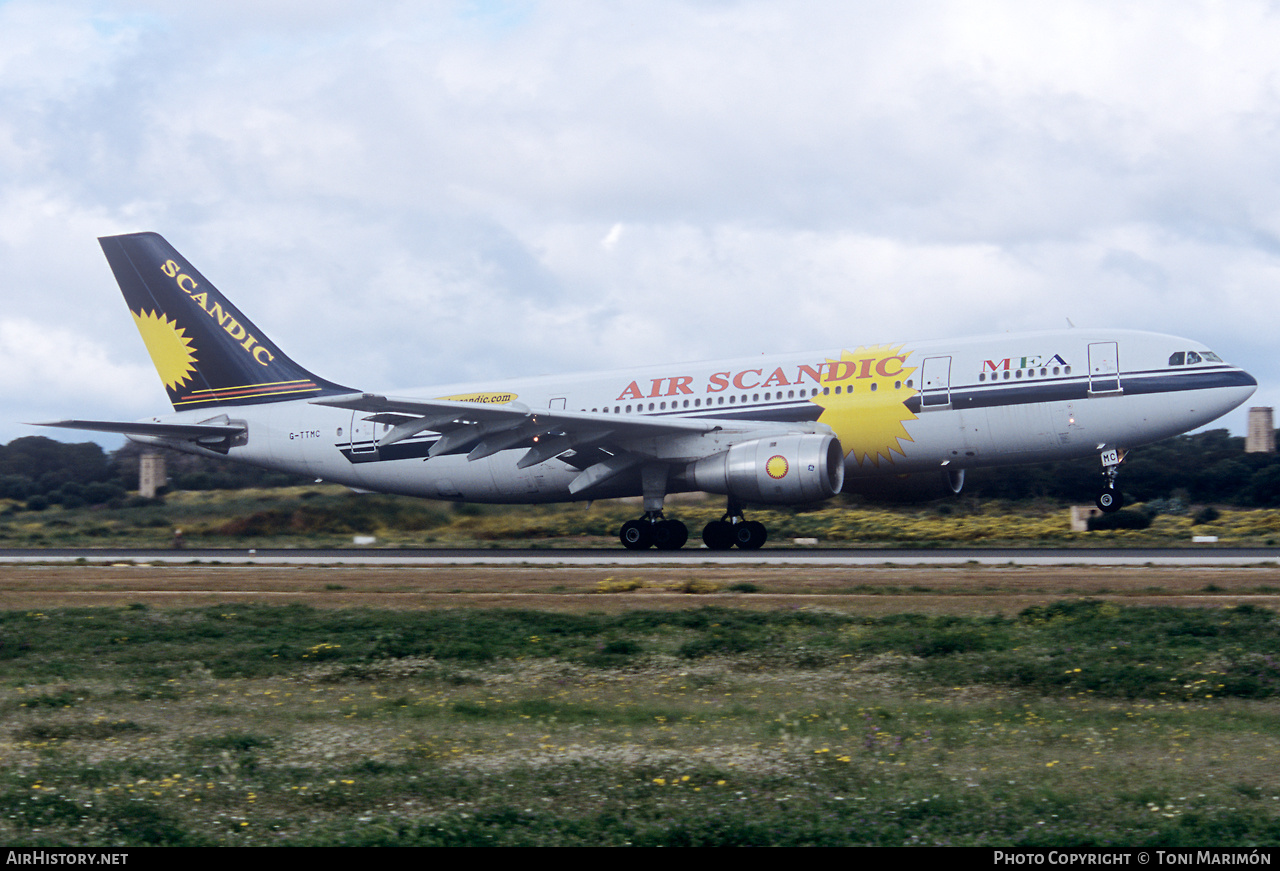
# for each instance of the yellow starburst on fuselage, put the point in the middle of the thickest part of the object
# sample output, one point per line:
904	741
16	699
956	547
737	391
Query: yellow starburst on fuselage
864	401
169	346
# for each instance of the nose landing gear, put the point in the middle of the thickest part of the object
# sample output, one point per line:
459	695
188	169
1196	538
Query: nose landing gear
1109	498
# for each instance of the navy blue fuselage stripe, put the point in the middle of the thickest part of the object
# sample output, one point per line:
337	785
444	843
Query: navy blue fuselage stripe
974	396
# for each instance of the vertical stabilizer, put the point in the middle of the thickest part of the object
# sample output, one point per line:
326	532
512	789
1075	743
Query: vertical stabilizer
206	352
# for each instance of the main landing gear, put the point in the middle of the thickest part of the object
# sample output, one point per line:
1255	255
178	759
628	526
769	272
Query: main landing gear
733	529
1109	498
653	531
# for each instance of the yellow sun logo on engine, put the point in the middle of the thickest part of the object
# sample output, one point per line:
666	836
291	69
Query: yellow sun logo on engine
169	346
863	400
777	466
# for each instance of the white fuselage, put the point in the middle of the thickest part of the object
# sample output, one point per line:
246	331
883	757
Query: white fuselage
899	408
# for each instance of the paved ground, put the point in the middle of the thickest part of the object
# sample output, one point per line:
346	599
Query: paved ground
961	589
618	556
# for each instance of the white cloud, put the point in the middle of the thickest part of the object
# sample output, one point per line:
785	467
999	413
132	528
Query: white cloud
402	192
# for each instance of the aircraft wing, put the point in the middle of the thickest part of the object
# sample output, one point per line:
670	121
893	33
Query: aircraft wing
602	445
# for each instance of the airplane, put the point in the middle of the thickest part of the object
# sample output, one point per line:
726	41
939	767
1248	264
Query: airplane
783	430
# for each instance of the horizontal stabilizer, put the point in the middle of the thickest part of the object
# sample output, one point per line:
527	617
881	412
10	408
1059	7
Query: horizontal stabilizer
157	430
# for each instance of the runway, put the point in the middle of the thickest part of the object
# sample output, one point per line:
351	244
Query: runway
768	556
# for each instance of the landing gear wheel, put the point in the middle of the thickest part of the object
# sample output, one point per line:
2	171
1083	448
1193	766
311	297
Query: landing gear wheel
636	535
1110	500
670	534
750	535
718	535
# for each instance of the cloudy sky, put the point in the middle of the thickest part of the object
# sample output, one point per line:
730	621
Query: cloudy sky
408	193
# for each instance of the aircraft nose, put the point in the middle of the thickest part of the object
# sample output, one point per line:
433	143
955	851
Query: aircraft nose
1243	385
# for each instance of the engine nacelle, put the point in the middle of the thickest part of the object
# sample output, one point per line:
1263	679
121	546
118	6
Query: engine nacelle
783	469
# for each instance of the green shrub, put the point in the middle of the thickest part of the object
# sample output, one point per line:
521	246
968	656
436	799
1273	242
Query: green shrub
1122	519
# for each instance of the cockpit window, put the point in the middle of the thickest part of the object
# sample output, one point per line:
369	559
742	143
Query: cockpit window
1189	358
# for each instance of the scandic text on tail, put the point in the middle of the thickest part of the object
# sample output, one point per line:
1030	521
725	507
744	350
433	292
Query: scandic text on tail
206	352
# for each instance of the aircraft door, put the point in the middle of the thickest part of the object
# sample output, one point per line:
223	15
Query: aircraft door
935	383
1104	367
363	434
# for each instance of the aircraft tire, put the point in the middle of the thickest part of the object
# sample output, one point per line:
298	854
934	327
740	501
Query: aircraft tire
636	535
1110	500
750	535
670	535
718	535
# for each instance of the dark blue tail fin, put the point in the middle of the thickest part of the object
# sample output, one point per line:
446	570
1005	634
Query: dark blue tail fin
206	351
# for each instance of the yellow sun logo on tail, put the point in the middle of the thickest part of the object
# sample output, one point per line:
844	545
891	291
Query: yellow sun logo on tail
169	346
864	402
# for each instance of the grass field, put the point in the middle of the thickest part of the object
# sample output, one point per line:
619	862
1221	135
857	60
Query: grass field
1072	723
196	705
325	515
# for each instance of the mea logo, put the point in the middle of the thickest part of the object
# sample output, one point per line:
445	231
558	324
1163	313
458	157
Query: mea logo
1010	363
213	309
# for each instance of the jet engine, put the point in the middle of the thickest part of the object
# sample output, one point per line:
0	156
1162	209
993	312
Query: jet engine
784	469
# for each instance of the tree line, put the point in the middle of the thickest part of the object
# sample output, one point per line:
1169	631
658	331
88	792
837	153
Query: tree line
39	472
1207	468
